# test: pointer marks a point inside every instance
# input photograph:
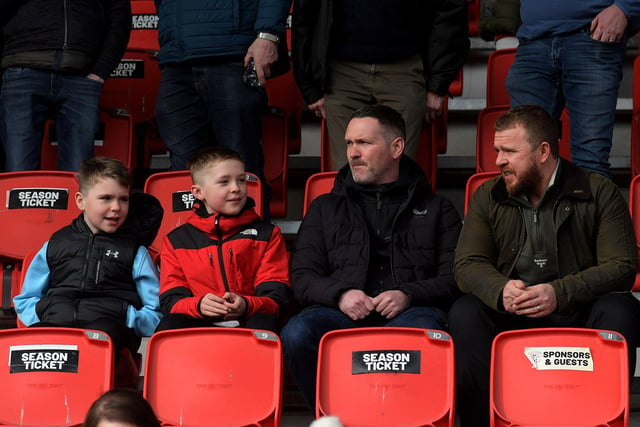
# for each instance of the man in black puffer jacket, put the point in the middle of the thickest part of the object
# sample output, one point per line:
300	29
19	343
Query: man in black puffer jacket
376	251
56	55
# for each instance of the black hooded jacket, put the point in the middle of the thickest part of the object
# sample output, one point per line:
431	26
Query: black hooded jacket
333	245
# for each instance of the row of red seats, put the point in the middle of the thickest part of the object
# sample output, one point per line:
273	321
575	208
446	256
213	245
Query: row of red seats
366	376
38	203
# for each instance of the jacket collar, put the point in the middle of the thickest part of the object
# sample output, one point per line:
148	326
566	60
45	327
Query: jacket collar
572	180
216	222
411	177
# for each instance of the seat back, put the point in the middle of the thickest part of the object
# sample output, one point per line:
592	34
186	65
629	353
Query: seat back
133	85
559	377
115	139
53	375
634	208
317	184
173	190
498	65
144	25
473	183
485	152
36	204
386	377
214	377
635	121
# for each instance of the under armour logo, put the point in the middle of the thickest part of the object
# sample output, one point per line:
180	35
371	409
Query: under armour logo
112	253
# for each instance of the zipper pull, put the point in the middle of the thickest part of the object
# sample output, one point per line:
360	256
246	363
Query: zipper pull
210	259
230	256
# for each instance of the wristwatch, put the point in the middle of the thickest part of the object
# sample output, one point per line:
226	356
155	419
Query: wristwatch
269	36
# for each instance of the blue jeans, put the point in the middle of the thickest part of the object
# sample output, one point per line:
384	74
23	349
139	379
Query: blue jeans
581	72
302	333
26	99
200	104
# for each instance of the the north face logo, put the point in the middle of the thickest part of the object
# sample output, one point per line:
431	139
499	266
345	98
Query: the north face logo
249	232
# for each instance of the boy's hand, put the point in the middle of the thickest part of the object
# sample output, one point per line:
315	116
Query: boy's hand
213	306
235	305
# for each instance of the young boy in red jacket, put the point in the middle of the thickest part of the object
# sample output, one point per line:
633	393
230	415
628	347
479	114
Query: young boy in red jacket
224	266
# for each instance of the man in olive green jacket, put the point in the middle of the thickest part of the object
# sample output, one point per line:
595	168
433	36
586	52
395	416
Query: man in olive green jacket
545	244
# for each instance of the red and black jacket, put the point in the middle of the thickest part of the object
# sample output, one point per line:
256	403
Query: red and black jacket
217	254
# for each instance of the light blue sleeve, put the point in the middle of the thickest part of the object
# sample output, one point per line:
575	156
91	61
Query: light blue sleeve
145	275
36	283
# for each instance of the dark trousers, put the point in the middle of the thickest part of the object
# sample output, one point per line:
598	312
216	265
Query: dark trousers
473	326
263	321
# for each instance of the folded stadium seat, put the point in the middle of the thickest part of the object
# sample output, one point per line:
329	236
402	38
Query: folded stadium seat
215	377
317	184
173	190
285	102
498	65
634	207
474	16
133	85
276	161
115	138
635	121
559	377
35	205
475	181
52	375
427	156
387	377
485	132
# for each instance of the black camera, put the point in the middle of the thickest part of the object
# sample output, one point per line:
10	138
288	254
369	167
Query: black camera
250	77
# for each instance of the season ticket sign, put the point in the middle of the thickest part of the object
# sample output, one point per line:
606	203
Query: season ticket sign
43	358
385	361
38	198
560	358
182	201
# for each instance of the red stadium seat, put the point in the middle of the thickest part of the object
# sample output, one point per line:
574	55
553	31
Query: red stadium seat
474	16
36	204
52	375
317	184
498	66
486	154
173	190
635	121
634	208
559	377
473	183
115	138
215	377
386	377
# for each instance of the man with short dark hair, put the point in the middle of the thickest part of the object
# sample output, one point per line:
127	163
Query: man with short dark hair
545	244
376	251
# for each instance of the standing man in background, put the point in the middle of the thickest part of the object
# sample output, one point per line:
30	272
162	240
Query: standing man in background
571	53
402	53
56	56
206	46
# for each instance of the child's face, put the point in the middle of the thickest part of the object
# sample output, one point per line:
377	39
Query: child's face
222	187
105	205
